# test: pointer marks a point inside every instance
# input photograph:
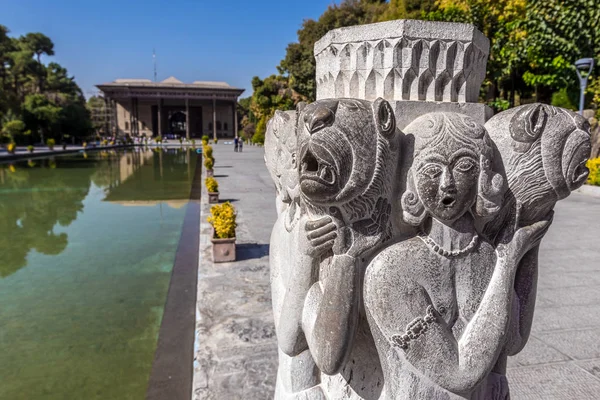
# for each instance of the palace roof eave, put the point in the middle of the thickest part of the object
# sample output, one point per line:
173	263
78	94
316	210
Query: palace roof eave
175	87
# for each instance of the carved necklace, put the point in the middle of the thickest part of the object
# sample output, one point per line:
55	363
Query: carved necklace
436	248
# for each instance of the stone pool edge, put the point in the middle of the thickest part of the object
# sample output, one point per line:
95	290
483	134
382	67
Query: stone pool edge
200	374
171	375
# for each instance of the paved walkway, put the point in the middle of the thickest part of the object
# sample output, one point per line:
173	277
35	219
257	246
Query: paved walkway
236	351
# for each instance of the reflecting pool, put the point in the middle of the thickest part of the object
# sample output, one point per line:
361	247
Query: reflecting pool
87	245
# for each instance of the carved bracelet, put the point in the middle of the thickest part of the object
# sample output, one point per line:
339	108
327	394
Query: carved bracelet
414	329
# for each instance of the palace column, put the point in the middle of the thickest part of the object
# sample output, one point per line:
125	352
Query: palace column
187	118
235	121
160	103
214	118
137	118
131	117
115	128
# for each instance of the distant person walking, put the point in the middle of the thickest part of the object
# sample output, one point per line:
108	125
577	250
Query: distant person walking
241	144
235	144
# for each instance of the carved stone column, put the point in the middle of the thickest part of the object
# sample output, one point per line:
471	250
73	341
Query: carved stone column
404	258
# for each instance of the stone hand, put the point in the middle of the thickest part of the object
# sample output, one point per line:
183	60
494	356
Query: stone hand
525	239
321	235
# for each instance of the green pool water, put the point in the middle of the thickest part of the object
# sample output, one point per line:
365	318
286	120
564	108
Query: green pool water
87	245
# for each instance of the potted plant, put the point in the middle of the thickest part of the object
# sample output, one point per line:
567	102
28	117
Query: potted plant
222	219
11	147
208	164
212	186
30	148
207	151
216	141
50	143
204	140
84	145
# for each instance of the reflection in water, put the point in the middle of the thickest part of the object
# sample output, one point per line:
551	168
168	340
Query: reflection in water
34	198
32	202
87	244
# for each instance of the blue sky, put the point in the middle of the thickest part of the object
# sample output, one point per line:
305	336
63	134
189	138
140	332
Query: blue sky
101	40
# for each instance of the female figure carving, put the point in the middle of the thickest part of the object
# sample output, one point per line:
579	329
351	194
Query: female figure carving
439	305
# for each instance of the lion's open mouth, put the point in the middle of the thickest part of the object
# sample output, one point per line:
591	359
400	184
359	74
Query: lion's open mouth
316	169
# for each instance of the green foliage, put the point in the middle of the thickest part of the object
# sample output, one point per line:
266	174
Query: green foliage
594	167
13	128
499	105
11	147
559	32
249	130
216	141
407	9
44	97
193	143
30	148
261	129
222	219
563	99
269	95
211	184
50	143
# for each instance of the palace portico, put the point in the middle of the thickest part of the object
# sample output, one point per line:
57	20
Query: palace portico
140	106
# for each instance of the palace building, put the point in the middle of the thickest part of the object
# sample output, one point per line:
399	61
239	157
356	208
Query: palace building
171	107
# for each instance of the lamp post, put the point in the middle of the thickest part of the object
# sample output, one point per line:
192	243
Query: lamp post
584	69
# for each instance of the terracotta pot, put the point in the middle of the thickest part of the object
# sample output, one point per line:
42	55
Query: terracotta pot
209	172
223	250
213	197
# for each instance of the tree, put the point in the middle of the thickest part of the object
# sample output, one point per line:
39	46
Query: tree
407	9
97	109
41	114
299	62
44	98
559	32
12	129
270	95
39	44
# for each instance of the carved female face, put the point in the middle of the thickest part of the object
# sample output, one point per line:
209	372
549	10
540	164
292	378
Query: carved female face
446	180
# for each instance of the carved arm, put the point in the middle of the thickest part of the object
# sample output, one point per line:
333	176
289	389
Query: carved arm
331	314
